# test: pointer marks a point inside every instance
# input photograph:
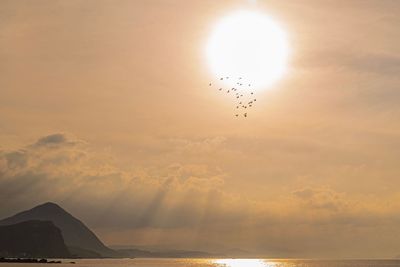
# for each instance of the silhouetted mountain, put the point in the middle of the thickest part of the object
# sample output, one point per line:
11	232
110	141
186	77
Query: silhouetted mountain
76	235
138	253
84	253
237	253
33	239
134	253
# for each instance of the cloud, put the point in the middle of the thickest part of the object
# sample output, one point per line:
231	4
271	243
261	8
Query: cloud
73	173
187	205
15	159
320	198
56	140
53	139
368	62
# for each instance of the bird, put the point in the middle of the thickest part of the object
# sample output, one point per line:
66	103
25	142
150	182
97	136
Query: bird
240	94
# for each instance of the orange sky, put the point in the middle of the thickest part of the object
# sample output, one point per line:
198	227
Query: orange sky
118	92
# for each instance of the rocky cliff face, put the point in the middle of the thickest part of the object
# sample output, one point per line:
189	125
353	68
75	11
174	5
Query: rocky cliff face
33	239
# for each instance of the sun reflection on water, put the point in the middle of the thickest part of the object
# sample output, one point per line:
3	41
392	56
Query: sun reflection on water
244	263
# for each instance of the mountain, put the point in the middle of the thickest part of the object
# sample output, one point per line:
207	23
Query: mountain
33	239
237	253
76	235
138	253
132	251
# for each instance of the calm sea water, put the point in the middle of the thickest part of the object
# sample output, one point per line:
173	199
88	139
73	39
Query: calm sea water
214	263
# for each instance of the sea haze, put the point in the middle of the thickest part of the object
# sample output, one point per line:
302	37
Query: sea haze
219	263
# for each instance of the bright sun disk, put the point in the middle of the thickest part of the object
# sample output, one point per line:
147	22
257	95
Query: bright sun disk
250	45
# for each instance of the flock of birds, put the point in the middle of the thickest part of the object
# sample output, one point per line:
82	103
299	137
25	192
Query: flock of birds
241	91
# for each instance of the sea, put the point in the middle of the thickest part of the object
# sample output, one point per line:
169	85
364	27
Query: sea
211	263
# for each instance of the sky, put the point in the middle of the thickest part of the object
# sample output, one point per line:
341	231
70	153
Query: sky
105	109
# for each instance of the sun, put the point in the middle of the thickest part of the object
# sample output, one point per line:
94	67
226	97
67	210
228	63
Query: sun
250	45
